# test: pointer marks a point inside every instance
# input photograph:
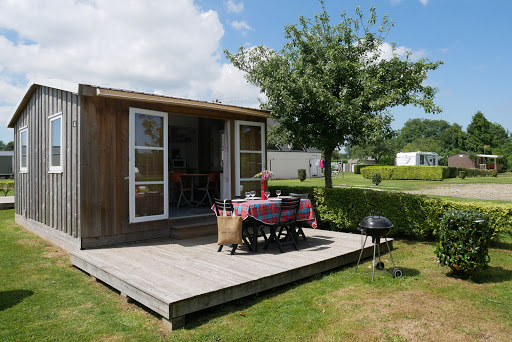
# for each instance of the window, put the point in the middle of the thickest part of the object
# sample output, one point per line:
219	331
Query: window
24	149
148	165
250	154
55	151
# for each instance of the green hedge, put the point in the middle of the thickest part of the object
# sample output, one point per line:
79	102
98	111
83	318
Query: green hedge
414	216
435	173
406	172
358	167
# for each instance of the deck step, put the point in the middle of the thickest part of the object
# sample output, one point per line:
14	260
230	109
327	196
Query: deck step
192	227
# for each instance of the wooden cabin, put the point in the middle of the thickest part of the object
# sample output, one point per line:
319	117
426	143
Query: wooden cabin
96	166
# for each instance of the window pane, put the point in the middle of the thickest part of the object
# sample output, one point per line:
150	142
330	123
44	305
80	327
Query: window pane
250	186
149	165
149	130
23	160
55	143
149	200
250	164
250	138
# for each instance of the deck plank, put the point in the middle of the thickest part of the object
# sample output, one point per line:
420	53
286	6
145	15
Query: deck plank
177	277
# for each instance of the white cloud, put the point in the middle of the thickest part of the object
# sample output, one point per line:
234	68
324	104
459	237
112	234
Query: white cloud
387	52
172	46
232	88
234	7
397	2
241	26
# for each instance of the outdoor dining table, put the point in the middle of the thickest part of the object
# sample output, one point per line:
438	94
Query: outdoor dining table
267	212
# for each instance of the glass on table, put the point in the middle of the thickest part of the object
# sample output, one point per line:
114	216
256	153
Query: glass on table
247	194
267	194
253	193
278	193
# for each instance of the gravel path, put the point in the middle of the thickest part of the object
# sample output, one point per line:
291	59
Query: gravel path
502	192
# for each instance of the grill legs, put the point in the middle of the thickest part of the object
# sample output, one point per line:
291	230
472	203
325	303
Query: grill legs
376	250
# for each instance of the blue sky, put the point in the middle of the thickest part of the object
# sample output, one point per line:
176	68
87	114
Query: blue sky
175	47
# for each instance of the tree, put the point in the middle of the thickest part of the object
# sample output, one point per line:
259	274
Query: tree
478	133
9	146
384	146
330	86
422	128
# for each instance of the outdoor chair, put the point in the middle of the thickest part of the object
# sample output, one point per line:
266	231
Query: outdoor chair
299	224
285	227
337	169
220	206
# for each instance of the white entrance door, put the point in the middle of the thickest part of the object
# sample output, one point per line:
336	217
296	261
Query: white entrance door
148	177
250	154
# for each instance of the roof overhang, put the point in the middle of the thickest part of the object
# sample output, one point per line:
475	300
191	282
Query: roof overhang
89	90
497	156
45	82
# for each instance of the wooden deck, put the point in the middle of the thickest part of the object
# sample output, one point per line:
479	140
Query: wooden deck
177	277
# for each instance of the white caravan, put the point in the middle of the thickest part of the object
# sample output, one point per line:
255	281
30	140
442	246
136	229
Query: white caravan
417	158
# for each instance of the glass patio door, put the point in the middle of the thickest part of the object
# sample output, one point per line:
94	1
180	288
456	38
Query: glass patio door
148	177
250	155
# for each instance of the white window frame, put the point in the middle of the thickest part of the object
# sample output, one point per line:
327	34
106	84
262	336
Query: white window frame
239	123
131	163
21	131
54	168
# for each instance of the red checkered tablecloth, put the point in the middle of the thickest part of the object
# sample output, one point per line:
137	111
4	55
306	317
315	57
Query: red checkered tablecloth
268	211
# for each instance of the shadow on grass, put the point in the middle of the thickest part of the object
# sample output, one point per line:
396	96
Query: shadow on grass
501	245
11	298
488	276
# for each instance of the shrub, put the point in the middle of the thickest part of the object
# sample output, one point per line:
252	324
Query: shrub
358	167
406	172
462	174
494	173
463	238
302	174
414	216
6	186
376	178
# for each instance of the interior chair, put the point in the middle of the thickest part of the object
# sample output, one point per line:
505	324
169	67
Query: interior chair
204	186
288	206
185	187
227	205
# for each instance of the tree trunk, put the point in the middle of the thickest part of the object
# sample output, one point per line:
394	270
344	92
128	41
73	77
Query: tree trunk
327	168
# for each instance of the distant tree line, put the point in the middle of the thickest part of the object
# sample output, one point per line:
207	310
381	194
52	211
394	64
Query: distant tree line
7	147
481	136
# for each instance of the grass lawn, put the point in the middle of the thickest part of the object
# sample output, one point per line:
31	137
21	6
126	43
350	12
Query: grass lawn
44	298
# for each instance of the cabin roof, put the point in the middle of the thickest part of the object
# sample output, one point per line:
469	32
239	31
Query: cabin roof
92	90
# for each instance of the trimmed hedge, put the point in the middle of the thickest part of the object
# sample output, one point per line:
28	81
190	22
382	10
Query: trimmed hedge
414	216
434	173
358	167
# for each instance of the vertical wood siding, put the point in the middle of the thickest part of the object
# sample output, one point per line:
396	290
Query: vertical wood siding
49	198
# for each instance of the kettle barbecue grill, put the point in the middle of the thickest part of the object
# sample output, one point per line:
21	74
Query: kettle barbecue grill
377	226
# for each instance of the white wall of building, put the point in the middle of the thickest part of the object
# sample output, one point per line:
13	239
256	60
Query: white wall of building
284	165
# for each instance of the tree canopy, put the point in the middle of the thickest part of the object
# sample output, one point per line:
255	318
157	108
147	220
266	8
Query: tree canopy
331	85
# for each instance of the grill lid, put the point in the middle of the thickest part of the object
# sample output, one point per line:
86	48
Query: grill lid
375	222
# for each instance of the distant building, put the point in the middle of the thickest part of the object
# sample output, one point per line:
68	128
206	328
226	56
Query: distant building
462	160
6	163
284	161
417	159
